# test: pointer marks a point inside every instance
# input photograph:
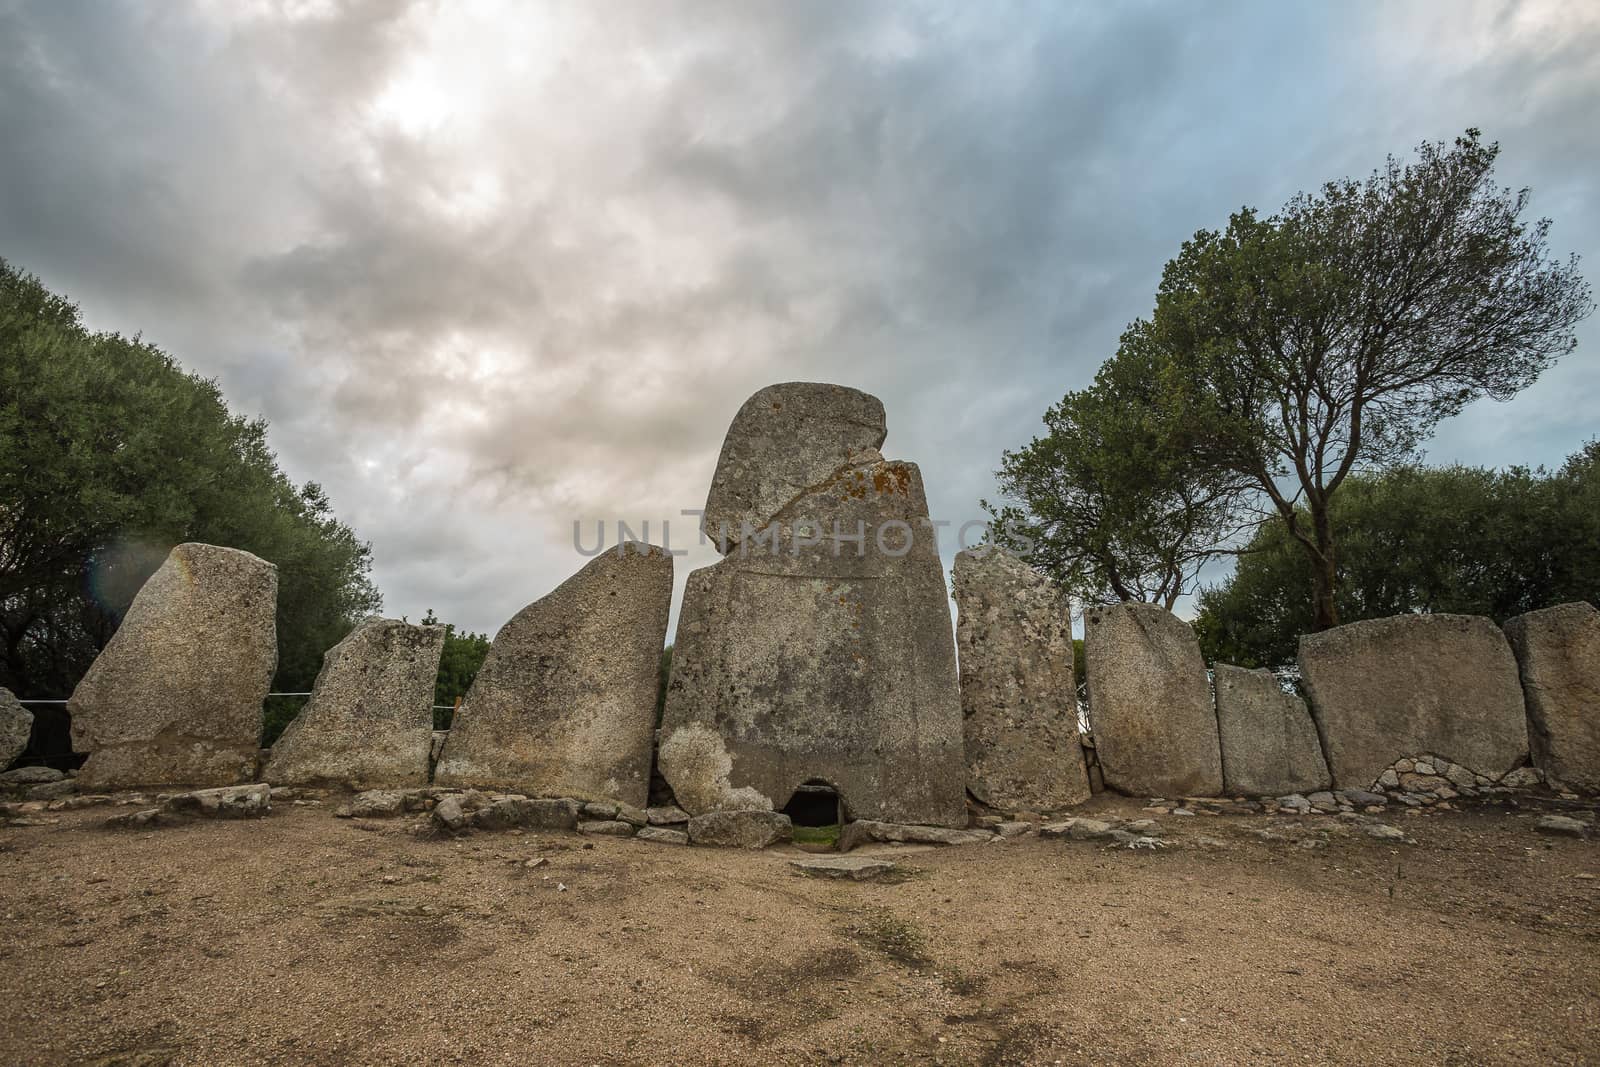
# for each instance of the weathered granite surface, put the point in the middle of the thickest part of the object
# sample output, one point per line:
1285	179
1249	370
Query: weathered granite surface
1155	729
175	697
816	657
564	705
1269	743
786	440
1019	700
1558	657
1442	685
369	722
16	725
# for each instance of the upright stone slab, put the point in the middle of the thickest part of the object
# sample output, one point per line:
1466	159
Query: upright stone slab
1414	685
369	722
1019	701
1269	743
1558	656
786	440
565	701
822	652
16	725
1155	729
175	697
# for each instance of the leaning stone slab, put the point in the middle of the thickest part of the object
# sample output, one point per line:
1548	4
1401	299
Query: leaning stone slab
1155	729
369	722
606	827
821	658
1558	655
740	829
854	868
865	831
1019	701
16	724
786	440
228	802
1269	741
564	704
175	697
1385	689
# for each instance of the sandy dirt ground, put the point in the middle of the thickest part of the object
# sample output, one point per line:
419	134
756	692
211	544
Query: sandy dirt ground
303	938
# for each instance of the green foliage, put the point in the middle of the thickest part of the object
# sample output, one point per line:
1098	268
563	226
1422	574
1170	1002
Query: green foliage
458	665
661	684
1110	503
1333	336
1417	539
109	455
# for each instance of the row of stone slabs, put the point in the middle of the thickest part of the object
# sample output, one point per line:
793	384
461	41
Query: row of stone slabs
794	664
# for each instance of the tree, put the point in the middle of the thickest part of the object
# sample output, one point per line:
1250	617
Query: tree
1333	336
1417	539
1109	503
109	455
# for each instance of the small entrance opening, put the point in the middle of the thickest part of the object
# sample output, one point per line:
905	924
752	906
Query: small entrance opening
816	811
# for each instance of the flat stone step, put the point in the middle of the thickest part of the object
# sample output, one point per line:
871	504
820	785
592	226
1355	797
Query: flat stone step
855	868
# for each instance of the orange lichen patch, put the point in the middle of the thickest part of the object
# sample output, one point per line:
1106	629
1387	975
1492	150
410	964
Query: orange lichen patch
892	478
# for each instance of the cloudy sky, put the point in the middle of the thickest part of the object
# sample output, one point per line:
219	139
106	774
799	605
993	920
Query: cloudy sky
490	267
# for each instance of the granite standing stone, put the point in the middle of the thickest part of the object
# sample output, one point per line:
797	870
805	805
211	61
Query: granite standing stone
786	440
1269	743
824	652
16	725
1558	656
175	697
565	701
1019	701
1155	729
369	722
1414	685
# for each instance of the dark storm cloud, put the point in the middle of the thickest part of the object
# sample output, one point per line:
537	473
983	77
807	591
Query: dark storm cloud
490	270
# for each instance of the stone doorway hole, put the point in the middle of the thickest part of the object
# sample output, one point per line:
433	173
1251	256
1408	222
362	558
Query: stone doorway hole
817	812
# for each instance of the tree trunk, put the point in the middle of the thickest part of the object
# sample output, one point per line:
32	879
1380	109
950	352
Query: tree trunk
1324	577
